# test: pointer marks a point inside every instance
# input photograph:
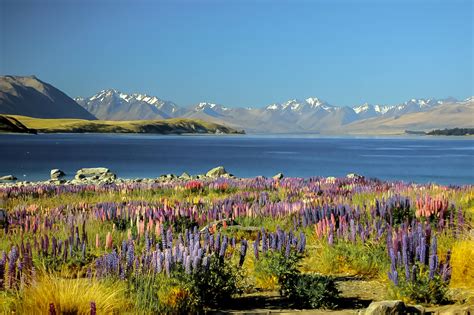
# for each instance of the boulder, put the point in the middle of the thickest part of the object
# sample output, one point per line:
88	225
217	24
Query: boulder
278	176
96	174
185	176
394	307
57	173
8	177
91	171
354	175
217	172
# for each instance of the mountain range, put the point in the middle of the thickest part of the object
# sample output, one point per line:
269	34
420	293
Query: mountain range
29	96
310	115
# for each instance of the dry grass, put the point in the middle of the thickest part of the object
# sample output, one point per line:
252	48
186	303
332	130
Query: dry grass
72	296
461	262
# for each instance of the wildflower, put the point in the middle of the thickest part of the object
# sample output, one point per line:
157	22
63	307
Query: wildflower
243	251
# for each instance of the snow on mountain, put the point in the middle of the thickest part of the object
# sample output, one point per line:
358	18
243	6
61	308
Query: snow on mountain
113	104
311	114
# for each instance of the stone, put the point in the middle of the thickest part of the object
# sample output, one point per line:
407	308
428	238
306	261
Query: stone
354	175
278	176
8	177
91	171
394	307
216	172
101	175
57	173
185	176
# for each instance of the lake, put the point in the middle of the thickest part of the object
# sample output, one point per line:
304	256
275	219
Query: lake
411	159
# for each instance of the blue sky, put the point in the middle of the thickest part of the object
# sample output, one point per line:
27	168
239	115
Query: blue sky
244	53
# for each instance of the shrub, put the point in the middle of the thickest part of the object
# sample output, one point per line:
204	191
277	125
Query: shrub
302	290
216	285
421	288
160	294
312	291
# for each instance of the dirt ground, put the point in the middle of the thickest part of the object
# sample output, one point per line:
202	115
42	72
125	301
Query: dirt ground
357	293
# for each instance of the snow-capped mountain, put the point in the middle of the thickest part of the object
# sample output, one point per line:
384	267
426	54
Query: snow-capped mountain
311	114
411	106
214	110
299	106
114	105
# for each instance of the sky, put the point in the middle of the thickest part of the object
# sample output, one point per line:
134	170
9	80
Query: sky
244	53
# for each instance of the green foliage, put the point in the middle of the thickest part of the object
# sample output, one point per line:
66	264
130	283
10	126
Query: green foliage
180	224
421	289
302	290
121	224
312	291
160	294
217	285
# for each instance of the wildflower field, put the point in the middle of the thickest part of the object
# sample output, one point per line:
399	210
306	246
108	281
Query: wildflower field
188	246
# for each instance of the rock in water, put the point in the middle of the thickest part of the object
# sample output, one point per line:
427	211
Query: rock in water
278	176
217	172
8	177
57	173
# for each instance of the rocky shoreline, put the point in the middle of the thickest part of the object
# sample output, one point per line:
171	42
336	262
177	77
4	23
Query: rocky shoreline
104	176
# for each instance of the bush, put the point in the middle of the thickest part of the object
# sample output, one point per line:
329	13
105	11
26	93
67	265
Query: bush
302	290
312	291
216	285
421	289
161	294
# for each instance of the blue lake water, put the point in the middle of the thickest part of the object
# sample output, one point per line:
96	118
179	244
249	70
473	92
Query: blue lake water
411	159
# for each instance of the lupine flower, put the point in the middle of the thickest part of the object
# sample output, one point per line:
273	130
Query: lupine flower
243	251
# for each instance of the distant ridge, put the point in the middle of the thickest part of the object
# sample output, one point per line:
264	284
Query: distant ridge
310	115
29	96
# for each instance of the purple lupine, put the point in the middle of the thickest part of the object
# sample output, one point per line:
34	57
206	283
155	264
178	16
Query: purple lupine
273	241
331	238
3	261
433	260
168	262
130	255
83	251
302	243
217	242
196	262
264	242
255	249
393	274
223	246
446	269
287	247
11	272
205	263
243	251
93	308
187	264
169	237
52	309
